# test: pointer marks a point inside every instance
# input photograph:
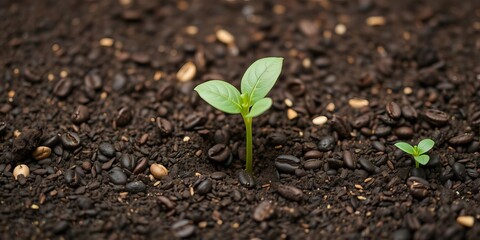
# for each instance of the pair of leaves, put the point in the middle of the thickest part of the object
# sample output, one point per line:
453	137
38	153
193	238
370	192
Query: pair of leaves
423	146
257	81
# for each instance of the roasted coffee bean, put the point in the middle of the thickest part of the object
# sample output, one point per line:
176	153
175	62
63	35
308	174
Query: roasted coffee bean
287	163
459	170
246	179
434	161
136	187
41	153
263	211
165	91
367	165
437	117
387	120
107	149
409	112
290	192
393	110
379	146
326	143
117	176
382	131
340	127
296	87
193	120
93	81
404	132
80	115
86	165
84	202
71	178
183	229
349	160
463	139
70	140
63	87
473	147
221	136
164	126
128	162
361	121
367	79
158	171
123	117
219	153
141	166
313	154
218	175
277	138
119	82
166	202
312	164
204	187
418	187
31	75
51	141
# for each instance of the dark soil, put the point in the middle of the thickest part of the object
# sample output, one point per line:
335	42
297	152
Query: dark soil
98	84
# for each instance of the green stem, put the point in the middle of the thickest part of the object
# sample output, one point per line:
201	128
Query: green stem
249	149
417	165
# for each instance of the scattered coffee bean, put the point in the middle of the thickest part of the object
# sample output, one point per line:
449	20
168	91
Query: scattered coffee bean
349	160
393	110
158	170
313	154
204	187
409	112
362	121
463	139
164	126
219	153
187	72
404	132
72	179
107	149
166	202
263	211
117	176
418	187
218	175
290	192
437	117
93	81
193	120
141	166
70	140
80	115
63	87
312	164
459	170
340	127
84	202
246	179
434	161
128	161
379	146
326	143
21	169
382	131
287	163
136	187
124	116
183	229
221	136
367	165
41	153
119	82
296	87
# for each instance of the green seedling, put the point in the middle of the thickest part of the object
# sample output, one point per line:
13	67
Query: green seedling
257	81
417	151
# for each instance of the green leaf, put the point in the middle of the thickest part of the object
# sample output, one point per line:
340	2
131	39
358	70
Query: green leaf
425	145
260	107
405	147
221	95
260	77
422	159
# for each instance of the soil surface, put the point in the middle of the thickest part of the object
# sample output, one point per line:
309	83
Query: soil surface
96	96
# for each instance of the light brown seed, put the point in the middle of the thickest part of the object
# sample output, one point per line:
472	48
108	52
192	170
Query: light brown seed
187	72
291	114
376	21
41	152
466	221
225	37
320	120
358	103
21	169
158	171
106	42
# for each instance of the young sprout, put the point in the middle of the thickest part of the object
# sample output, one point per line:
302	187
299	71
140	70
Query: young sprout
417	151
257	81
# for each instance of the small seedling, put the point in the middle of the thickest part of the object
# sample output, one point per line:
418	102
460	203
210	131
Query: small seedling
257	81
417	151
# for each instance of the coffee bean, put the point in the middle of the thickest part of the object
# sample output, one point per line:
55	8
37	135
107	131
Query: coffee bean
263	211
140	58
349	160
246	179
459	170
312	164
326	143
80	115
437	117
361	121
434	161
204	187
158	171
340	127
393	110
218	175
221	136
86	165
409	112
123	117
382	131
93	81
387	120
463	139
119	82
70	140
84	202
166	202
334	163
313	154
379	146
128	162
165	92
219	153
290	192
367	165
41	152
136	187
72	178
51	141
194	120
277	138
63	87
117	176
296	87
473	147
183	229
31	75
287	163
141	166
404	132
107	149
187	72
164	126
418	189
